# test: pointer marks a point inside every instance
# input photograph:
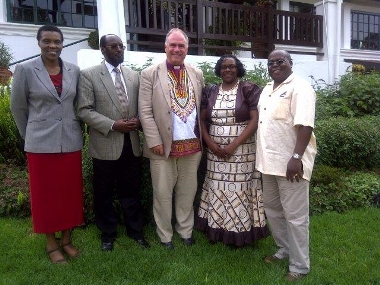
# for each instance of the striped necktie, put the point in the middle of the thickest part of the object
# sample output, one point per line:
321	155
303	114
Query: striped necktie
120	90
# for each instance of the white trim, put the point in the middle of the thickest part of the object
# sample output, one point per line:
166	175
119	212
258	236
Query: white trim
360	54
30	30
300	49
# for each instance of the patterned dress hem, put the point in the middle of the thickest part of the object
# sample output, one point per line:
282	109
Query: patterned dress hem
231	238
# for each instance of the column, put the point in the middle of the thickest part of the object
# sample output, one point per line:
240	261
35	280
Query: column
3	11
283	5
331	11
346	22
111	18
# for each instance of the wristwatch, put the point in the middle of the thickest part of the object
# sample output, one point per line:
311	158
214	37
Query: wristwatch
297	156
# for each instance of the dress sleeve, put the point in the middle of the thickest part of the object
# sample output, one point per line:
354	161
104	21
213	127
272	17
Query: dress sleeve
207	90
251	93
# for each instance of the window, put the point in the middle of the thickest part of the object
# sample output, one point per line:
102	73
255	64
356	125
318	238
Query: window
71	13
365	30
301	8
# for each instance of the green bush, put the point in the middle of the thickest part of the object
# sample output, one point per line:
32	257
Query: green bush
208	73
325	175
258	76
334	189
14	191
11	143
360	93
93	39
326	103
88	196
354	95
146	190
138	68
351	143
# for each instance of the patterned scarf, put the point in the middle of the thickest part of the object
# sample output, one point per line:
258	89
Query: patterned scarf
181	93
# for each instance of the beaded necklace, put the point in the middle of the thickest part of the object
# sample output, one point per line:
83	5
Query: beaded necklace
180	84
230	89
182	94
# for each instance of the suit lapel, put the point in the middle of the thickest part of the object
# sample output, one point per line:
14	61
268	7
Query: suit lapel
163	78
42	74
110	87
67	78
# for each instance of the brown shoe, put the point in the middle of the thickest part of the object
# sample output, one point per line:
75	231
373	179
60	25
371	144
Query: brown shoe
56	256
271	259
294	276
70	250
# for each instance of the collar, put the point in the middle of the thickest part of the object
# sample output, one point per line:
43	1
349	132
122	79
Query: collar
110	67
174	67
286	81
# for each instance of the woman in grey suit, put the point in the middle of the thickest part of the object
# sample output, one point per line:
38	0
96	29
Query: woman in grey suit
43	96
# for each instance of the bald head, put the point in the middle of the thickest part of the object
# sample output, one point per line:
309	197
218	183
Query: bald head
281	52
279	65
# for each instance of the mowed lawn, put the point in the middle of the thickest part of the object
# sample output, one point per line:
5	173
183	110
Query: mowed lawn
345	249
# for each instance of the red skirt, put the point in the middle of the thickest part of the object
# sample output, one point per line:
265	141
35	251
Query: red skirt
56	191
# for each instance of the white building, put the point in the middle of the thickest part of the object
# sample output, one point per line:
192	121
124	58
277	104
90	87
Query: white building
350	33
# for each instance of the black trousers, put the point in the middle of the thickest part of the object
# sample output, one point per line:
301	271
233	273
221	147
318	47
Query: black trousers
118	179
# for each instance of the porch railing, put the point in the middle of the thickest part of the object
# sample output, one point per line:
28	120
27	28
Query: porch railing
220	27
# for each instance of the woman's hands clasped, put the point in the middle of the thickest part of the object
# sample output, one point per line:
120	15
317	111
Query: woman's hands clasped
222	153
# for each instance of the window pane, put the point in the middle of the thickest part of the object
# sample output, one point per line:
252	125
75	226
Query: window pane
71	13
67	19
366	31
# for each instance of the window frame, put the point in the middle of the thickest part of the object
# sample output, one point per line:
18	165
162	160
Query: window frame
33	14
360	34
302	5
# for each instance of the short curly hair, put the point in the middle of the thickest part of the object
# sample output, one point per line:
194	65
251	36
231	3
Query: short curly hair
239	65
48	28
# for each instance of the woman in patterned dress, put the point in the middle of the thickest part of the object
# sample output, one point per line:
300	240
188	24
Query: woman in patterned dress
231	208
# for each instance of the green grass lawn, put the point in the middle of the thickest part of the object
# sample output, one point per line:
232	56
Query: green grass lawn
345	249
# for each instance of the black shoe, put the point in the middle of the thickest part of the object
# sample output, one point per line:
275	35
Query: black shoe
188	241
168	245
142	242
107	246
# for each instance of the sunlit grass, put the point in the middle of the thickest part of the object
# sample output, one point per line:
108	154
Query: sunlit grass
344	250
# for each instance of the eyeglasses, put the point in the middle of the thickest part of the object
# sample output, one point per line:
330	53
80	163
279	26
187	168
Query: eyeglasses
230	67
277	61
116	46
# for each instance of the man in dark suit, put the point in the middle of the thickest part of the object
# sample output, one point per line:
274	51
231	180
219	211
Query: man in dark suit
107	103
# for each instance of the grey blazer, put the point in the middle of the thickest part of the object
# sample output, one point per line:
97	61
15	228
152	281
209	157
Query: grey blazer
99	107
46	122
155	106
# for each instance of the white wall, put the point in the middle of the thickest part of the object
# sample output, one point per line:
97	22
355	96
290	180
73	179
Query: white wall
302	67
21	39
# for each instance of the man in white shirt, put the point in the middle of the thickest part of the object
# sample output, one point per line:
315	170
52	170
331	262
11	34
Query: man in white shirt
286	149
